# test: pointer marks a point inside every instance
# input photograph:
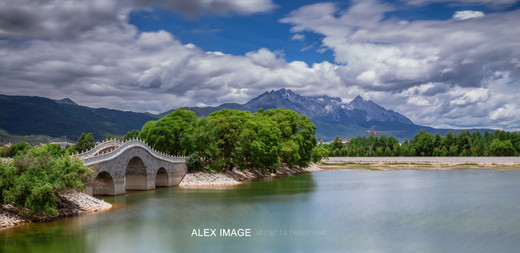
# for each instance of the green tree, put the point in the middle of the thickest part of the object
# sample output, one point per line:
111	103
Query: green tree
319	153
453	150
501	148
228	126
145	130
16	150
134	134
449	140
84	143
172	134
229	139
258	144
463	143
111	137
336	146
194	162
423	143
32	181
297	129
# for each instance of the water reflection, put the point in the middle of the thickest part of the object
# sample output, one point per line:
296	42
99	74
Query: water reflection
358	211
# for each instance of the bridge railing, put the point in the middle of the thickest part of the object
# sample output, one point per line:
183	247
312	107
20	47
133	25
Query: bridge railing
129	144
99	146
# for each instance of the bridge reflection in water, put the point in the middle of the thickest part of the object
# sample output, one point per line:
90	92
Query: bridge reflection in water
131	165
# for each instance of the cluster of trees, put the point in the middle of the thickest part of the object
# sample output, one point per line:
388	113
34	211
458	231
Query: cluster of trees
35	177
84	143
230	138
14	150
465	143
224	140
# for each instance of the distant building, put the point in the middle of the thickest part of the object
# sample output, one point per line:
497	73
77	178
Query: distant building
8	145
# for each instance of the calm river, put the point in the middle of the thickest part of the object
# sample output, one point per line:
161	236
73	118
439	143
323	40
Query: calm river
324	211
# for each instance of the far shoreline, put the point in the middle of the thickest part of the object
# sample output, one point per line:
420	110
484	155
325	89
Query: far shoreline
422	163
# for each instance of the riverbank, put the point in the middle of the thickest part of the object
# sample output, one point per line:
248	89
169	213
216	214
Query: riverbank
423	163
237	177
70	204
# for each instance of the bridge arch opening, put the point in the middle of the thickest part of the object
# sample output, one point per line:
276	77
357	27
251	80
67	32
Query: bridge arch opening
103	184
161	179
135	175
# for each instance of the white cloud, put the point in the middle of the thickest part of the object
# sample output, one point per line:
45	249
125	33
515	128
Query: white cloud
439	73
223	7
418	101
298	36
65	19
55	19
154	40
445	68
117	66
265	58
469	96
492	3
461	15
368	76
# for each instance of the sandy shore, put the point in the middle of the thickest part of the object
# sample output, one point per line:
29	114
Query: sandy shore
73	203
422	162
235	177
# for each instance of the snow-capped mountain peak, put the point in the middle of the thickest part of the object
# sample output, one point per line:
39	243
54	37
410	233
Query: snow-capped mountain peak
358	110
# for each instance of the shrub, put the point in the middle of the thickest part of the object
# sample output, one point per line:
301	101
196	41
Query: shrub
32	181
194	163
319	152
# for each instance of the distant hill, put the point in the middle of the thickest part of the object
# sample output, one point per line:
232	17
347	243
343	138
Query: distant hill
331	115
23	115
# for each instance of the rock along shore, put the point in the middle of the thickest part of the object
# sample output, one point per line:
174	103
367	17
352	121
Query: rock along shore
70	203
237	177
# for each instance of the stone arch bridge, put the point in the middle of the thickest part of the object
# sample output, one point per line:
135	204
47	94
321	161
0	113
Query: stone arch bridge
131	165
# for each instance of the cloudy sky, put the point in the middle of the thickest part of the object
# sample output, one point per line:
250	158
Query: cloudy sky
441	63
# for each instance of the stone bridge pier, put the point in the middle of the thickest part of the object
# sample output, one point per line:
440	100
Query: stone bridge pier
131	166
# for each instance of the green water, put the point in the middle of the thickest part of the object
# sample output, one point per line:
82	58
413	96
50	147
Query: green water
325	211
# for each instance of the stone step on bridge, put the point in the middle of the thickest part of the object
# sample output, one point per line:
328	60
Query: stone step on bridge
131	165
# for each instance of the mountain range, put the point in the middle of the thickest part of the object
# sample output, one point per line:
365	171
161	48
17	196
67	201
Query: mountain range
331	115
24	115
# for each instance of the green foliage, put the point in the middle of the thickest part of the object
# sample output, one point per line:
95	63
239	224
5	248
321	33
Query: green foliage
501	148
15	150
236	139
56	150
131	135
172	134
498	143
319	153
337	148
194	162
423	144
32	181
111	137
84	143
